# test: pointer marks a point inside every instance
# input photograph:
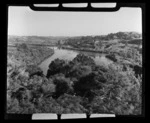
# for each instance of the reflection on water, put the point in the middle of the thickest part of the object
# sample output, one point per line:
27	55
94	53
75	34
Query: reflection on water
70	54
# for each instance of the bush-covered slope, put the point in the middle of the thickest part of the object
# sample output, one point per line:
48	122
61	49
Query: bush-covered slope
75	87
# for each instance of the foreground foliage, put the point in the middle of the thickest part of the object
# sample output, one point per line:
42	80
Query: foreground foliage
77	86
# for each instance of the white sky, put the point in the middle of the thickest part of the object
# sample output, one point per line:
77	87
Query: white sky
24	21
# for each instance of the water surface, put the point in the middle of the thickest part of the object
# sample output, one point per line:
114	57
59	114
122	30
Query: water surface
66	54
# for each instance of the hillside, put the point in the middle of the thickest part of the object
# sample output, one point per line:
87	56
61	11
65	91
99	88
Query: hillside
112	36
73	40
34	39
91	42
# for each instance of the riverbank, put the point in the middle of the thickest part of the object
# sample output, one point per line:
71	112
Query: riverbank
27	55
52	53
69	54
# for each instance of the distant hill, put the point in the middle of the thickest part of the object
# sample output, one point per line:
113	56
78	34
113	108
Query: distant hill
75	39
120	36
34	39
124	35
112	37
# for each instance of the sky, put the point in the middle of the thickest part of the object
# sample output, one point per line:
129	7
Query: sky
23	21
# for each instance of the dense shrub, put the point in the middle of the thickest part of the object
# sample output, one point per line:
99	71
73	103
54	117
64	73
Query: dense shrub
120	95
71	104
63	85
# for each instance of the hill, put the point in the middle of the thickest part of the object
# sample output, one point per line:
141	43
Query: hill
91	41
34	39
85	41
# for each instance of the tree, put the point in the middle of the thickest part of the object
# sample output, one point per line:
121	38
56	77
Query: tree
34	70
22	94
22	47
71	104
48	105
13	106
86	85
55	67
84	60
48	89
63	85
78	71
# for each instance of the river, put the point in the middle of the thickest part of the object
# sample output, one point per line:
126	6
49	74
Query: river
66	54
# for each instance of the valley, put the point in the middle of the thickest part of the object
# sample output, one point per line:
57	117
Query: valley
83	74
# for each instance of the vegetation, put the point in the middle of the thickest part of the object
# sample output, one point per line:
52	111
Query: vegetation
76	86
92	42
36	40
83	87
111	57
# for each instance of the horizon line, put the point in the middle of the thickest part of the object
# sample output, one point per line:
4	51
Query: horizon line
72	35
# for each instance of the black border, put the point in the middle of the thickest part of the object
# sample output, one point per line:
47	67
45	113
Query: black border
142	5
